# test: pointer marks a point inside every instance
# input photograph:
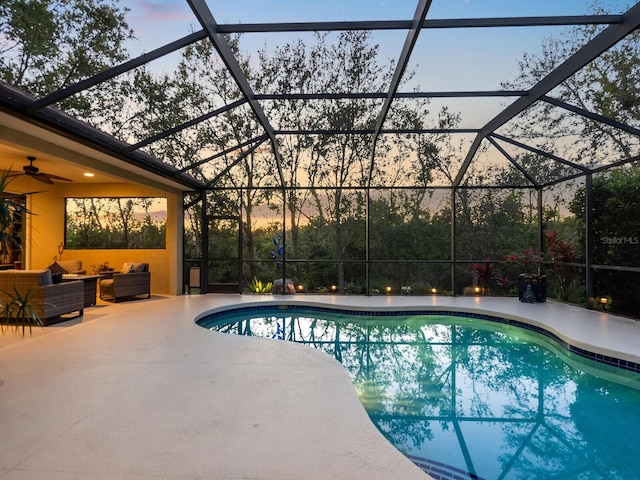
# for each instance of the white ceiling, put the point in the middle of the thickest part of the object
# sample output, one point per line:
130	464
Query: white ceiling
67	158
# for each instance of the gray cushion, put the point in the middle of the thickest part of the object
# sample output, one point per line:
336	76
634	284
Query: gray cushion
44	278
140	267
70	266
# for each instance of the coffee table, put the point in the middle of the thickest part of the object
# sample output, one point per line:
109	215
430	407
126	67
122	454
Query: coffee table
90	286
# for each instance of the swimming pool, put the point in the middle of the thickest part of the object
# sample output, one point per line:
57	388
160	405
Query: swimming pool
472	397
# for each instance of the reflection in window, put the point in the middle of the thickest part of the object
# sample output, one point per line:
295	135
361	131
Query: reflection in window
115	222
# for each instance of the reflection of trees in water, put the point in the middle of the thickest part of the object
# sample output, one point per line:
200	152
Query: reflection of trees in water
410	374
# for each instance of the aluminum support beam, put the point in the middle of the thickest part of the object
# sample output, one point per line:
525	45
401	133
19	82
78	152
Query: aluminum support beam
204	16
118	70
592	116
226	151
542	153
403	60
407	24
519	167
540	223
589	240
591	50
452	231
382	95
370	131
188	124
204	263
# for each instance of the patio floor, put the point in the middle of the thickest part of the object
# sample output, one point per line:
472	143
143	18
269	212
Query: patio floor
137	390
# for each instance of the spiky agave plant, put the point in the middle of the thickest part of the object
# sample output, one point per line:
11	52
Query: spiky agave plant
258	287
17	312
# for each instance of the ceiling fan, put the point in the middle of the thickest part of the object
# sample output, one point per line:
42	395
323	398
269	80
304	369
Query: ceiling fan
33	171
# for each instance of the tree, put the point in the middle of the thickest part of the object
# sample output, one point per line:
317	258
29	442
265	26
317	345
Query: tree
241	174
615	234
290	68
607	86
46	45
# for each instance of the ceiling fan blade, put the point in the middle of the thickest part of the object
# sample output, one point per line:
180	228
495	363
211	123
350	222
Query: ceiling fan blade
42	178
55	177
32	171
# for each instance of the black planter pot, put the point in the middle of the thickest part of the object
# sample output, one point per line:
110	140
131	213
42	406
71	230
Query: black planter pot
532	288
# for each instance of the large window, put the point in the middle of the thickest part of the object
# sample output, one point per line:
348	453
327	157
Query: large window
115	222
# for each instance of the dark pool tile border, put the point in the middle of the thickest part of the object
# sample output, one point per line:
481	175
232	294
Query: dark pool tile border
605	359
442	471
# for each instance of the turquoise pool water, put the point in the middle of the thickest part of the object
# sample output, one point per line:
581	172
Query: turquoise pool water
470	398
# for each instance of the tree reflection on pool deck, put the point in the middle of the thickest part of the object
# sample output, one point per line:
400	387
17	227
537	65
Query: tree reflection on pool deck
471	397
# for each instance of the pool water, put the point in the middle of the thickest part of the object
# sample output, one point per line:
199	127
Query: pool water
471	398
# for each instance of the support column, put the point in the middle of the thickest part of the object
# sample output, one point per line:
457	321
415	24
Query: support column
367	221
588	241
540	223
204	247
453	242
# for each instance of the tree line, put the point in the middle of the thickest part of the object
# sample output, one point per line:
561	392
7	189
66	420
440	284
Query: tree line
105	223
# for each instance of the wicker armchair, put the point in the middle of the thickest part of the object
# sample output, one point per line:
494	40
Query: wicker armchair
48	300
137	281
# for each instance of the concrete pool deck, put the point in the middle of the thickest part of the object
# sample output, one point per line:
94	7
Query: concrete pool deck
137	390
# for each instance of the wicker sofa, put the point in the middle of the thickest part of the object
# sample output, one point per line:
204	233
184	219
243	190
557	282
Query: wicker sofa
134	279
48	300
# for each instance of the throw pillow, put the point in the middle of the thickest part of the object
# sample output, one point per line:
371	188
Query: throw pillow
139	267
56	268
127	268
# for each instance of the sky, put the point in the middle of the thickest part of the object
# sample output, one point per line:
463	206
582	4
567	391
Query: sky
162	18
444	60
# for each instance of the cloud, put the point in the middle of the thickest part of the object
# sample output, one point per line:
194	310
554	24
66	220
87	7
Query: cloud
170	10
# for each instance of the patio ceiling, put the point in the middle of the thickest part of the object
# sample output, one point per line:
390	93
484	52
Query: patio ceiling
409	49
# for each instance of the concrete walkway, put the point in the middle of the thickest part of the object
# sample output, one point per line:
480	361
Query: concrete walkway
137	390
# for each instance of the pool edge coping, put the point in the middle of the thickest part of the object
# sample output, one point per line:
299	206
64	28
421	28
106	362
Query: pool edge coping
590	351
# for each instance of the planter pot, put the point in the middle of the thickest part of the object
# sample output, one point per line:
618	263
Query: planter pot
532	288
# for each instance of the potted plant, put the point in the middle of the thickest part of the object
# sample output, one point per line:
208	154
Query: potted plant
8	209
16	310
532	283
100	268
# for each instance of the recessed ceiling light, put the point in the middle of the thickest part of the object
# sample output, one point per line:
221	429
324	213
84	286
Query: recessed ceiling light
88	174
